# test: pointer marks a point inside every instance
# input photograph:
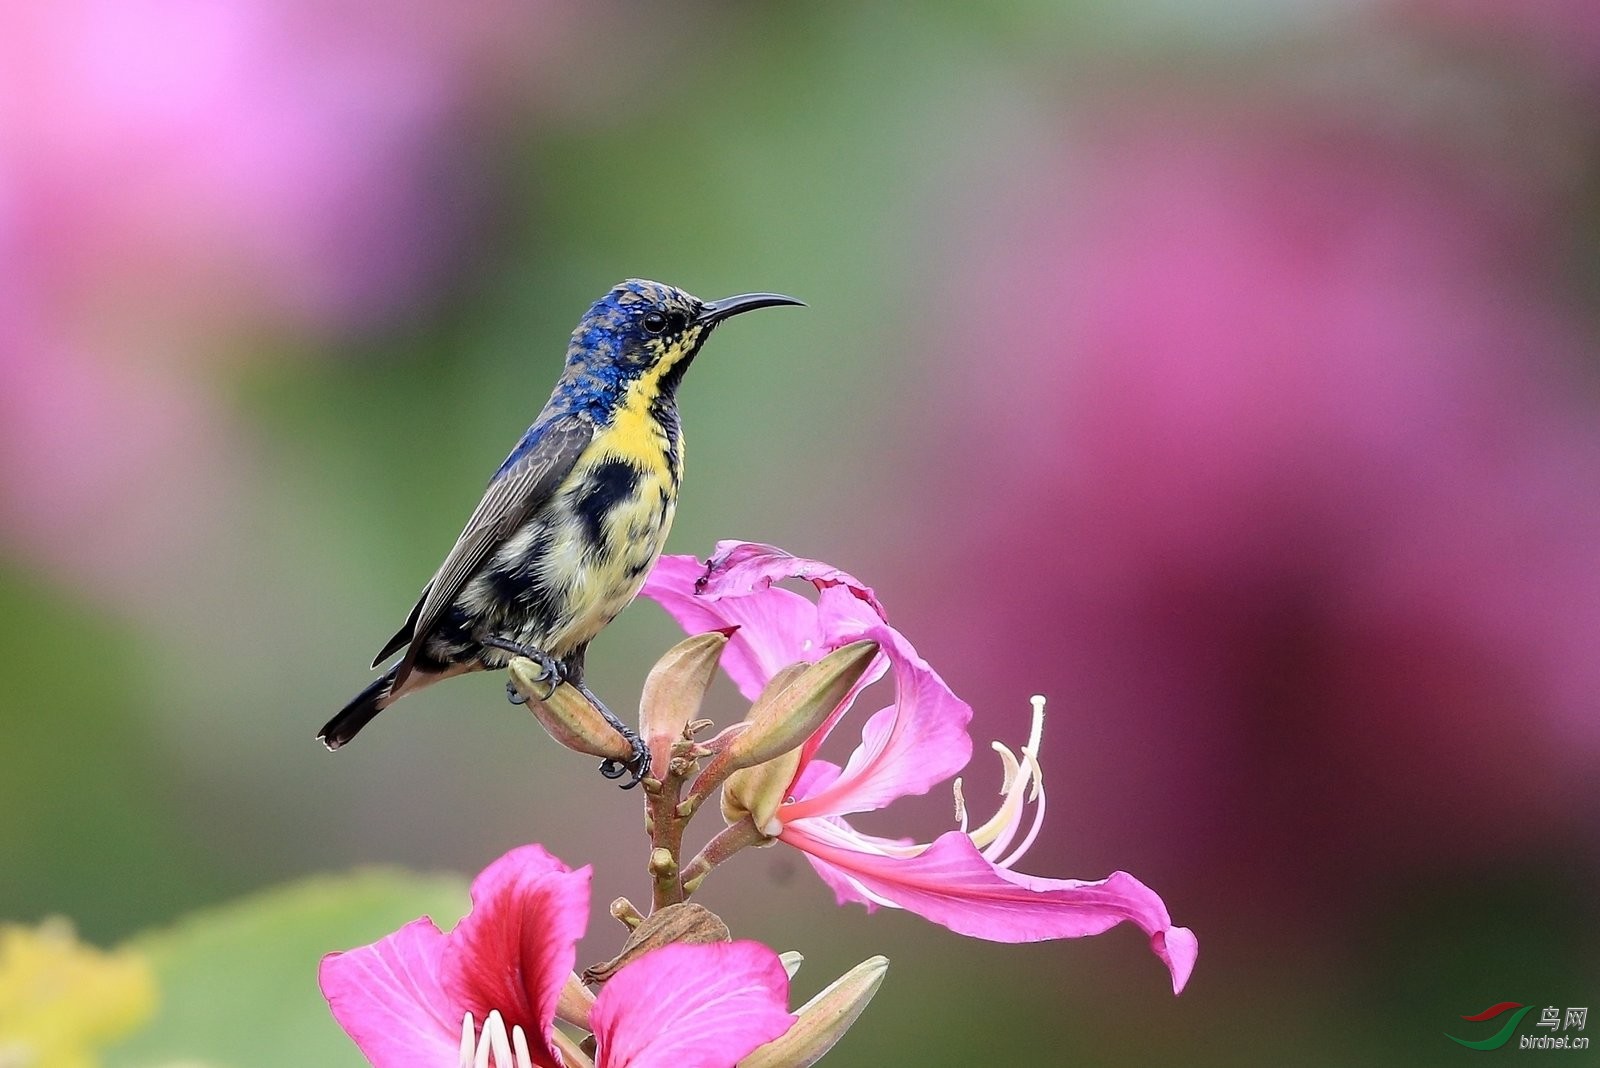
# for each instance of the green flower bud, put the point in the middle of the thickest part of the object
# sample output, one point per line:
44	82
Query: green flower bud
823	1020
795	703
674	690
565	714
757	792
784	717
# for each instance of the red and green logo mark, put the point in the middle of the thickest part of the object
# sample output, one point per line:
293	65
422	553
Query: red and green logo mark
1500	1037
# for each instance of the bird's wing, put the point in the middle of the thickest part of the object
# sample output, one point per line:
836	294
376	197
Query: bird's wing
530	475
402	637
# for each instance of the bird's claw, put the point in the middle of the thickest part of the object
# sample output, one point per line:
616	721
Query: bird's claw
638	764
549	667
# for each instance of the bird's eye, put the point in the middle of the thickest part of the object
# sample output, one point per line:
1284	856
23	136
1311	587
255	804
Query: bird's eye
655	322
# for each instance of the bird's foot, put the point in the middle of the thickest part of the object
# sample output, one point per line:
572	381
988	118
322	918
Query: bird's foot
549	667
555	673
639	763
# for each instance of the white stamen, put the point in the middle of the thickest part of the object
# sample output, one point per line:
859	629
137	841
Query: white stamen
495	1028
1033	832
493	1048
842	836
995	829
482	1059
1010	766
1002	826
1022	782
1035	737
961	805
869	895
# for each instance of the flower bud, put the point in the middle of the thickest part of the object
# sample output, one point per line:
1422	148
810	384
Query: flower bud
797	700
823	1020
674	690
757	792
783	718
777	684
682	922
565	714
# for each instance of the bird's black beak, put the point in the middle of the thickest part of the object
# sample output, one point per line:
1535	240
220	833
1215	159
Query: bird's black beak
715	311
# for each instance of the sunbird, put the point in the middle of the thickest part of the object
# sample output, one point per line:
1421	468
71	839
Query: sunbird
573	520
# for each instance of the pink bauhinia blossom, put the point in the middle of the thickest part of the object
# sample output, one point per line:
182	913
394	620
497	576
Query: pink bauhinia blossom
486	993
963	879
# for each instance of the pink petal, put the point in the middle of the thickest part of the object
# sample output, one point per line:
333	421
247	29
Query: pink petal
814	777
516	947
739	568
692	1006
389	1000
908	748
777	627
952	884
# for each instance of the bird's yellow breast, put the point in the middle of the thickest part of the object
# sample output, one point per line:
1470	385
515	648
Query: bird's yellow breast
643	431
609	521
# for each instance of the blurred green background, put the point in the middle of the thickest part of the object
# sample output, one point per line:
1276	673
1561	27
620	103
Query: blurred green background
1224	371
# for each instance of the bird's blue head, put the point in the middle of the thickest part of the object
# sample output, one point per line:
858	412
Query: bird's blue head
646	334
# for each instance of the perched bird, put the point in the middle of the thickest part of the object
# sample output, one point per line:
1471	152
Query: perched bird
574	518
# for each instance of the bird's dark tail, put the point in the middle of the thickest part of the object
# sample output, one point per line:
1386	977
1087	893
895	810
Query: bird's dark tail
358	713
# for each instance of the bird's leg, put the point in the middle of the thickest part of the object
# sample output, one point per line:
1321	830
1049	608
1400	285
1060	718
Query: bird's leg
639	763
555	672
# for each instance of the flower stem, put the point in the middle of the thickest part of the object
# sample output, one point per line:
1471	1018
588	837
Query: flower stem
666	839
725	844
666	817
570	1051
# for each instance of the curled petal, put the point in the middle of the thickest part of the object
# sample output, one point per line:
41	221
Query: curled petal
389	999
952	884
692	1006
908	748
843	617
514	951
739	568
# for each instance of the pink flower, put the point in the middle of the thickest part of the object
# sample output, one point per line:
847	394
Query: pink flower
486	993
962	880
